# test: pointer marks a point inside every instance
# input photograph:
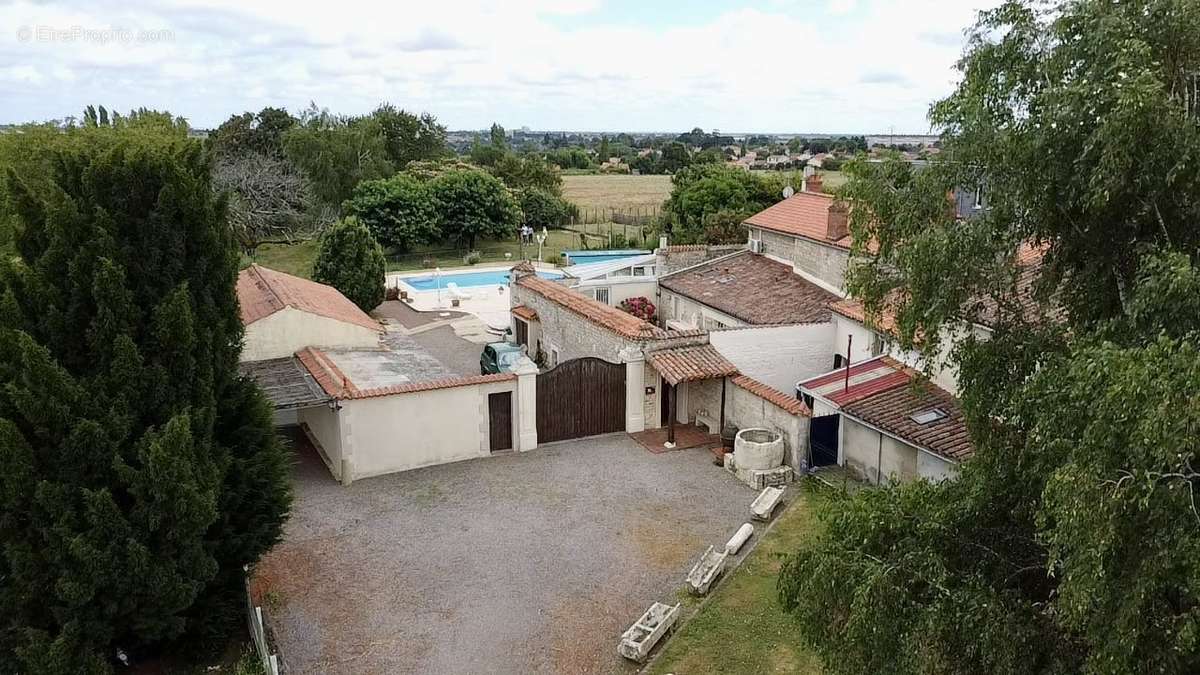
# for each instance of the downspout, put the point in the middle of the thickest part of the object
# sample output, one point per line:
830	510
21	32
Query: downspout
721	430
879	463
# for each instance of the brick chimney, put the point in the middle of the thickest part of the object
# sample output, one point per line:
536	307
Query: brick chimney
837	224
813	183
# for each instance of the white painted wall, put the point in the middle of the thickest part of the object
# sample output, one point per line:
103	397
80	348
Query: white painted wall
322	425
406	431
621	288
935	468
675	307
779	356
287	331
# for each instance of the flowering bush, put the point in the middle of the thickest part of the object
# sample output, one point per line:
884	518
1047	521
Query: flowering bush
639	307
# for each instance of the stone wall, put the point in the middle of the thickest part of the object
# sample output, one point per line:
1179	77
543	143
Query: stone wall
675	258
745	410
818	261
574	336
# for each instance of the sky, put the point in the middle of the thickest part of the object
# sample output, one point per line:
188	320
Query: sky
820	66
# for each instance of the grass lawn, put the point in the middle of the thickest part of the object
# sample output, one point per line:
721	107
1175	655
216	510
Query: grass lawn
742	628
616	191
298	258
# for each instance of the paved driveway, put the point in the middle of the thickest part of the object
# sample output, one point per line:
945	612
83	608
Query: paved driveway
532	562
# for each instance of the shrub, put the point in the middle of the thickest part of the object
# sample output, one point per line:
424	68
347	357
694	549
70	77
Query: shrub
640	307
472	257
351	261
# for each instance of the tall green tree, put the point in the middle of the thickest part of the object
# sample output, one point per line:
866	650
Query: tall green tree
141	472
336	153
400	211
1071	541
474	204
409	137
350	260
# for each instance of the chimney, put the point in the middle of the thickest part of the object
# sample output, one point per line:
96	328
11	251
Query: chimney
813	183
837	224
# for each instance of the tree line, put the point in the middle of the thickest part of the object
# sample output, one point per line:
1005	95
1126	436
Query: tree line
1070	542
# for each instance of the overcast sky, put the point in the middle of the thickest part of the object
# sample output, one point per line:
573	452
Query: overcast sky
858	66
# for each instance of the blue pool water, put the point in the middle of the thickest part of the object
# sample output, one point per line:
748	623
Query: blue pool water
468	279
588	257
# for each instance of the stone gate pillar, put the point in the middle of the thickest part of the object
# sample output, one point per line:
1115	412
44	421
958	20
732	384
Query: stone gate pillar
526	373
635	376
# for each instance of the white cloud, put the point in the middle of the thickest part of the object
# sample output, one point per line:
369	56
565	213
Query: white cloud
808	65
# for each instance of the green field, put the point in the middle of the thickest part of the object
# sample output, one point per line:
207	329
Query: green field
742	628
298	258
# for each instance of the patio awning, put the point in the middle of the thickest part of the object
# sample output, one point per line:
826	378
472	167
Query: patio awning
688	364
524	312
285	382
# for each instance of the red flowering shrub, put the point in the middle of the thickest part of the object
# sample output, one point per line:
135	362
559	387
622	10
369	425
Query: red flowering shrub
639	307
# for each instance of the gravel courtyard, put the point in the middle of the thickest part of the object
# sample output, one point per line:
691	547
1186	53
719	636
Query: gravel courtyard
517	563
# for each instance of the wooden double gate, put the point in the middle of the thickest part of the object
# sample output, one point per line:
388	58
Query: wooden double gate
580	397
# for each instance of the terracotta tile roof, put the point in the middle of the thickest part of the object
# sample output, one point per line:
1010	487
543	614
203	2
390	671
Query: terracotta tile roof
429	385
605	316
332	380
804	214
754	289
262	292
891	411
884	393
789	404
523	312
687	364
853	309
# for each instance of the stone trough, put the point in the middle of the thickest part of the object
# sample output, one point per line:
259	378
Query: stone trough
640	638
706	571
766	501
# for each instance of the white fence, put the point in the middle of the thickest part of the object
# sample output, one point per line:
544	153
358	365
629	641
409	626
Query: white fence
254	615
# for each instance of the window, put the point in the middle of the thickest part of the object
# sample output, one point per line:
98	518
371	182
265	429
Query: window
838	361
553	356
602	295
877	344
639	271
928	416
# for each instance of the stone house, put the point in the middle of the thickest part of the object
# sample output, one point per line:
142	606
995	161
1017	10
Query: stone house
810	231
671	376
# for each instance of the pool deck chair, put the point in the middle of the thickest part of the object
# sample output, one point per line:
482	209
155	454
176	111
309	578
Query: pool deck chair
456	292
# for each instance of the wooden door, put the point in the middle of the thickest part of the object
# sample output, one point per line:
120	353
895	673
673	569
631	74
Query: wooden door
500	420
580	397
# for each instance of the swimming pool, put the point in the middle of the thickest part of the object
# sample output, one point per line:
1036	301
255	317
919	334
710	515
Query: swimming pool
588	257
468	279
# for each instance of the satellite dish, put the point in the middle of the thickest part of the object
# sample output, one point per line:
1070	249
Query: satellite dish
788	192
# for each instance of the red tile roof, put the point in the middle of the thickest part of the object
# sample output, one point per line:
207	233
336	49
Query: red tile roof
804	214
754	289
789	404
624	324
523	312
884	393
853	309
429	385
262	292
332	380
891	411
687	364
